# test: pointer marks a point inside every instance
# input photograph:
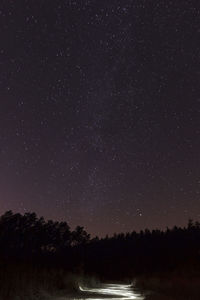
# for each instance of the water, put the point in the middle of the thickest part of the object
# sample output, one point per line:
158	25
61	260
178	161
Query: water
111	291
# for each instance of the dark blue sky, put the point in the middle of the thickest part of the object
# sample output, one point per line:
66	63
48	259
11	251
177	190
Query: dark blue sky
99	118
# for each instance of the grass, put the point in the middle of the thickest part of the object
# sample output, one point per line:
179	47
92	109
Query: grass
171	286
28	282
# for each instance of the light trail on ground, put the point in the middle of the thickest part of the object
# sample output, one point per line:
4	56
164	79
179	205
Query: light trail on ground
113	291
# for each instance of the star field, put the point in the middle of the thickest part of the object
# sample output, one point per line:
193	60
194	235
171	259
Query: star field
99	119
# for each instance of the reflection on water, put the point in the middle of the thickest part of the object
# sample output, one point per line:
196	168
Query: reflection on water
113	291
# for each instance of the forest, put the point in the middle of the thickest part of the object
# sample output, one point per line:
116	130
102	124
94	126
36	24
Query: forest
36	255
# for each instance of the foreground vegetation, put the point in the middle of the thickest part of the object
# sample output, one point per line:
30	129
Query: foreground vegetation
39	258
170	286
26	281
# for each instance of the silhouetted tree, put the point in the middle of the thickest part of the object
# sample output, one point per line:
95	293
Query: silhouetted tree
29	237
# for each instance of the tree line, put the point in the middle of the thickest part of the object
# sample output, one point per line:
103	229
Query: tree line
29	238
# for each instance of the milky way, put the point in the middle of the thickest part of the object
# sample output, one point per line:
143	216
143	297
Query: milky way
99	119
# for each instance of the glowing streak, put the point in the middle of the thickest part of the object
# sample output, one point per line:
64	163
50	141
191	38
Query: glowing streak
118	291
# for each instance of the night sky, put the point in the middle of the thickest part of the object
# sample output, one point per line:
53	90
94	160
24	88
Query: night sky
100	112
